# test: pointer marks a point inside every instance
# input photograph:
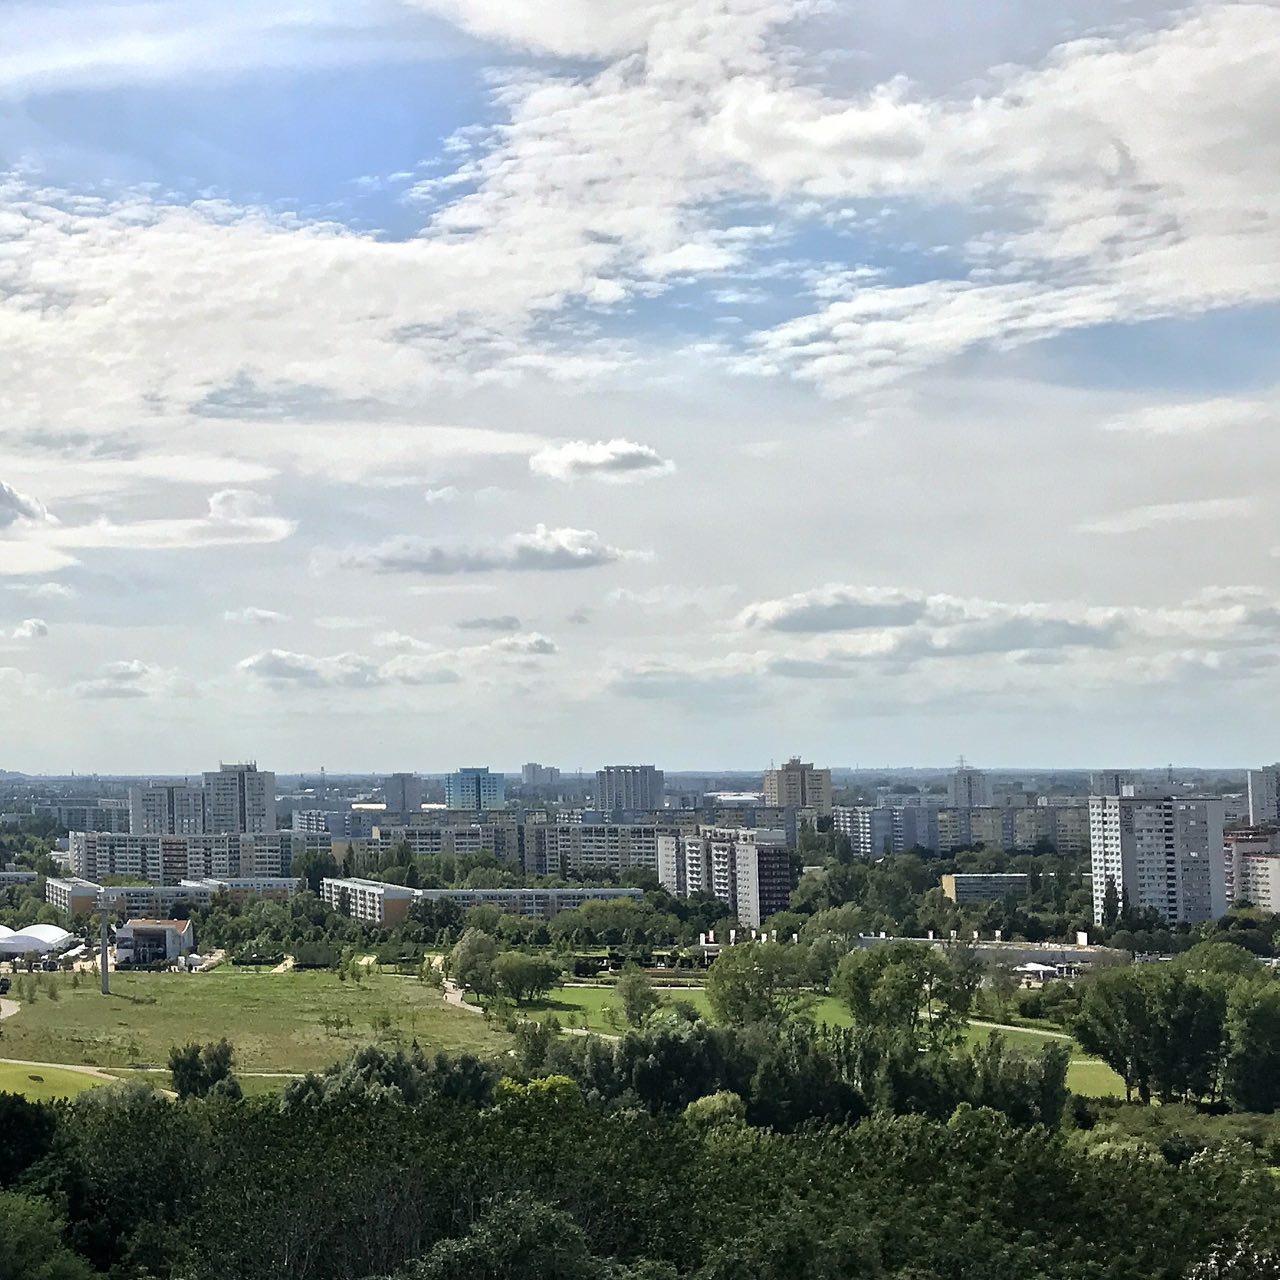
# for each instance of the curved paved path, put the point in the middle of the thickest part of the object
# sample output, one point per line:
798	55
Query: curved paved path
8	1008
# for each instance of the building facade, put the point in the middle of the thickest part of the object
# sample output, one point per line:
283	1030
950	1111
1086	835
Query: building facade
403	793
968	788
167	809
800	786
1162	852
980	887
240	798
1264	795
633	788
748	870
474	789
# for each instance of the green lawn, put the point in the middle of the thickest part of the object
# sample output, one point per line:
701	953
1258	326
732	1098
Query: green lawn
272	1019
586	1007
39	1083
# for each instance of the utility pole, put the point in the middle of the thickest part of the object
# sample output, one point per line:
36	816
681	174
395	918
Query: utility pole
102	958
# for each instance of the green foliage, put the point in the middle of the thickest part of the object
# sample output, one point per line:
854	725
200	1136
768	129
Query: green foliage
31	1246
521	976
471	961
200	1070
637	995
1251	1077
906	989
765	982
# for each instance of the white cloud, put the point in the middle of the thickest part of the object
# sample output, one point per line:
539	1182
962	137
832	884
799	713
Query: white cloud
532	645
133	678
280	666
15	507
1196	417
31	629
542	549
1137	519
253	615
617	461
446	494
835	608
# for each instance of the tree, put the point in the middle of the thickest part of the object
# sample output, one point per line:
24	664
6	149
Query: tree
764	982
638	997
471	960
1110	904
523	977
31	1245
198	1070
908	989
1251	1076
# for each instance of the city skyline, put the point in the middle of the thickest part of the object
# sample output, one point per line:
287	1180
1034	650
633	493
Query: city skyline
636	381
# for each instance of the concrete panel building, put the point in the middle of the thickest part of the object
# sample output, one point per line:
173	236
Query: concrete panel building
800	786
981	887
369	900
1264	795
634	788
1163	852
240	798
474	789
167	809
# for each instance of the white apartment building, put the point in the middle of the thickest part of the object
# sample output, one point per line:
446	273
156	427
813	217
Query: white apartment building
606	846
749	870
499	838
167	860
369	900
532	903
1264	795
240	798
167	809
797	785
1163	852
1251	867
968	788
635	788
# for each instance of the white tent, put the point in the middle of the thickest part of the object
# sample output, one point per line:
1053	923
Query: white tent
42	939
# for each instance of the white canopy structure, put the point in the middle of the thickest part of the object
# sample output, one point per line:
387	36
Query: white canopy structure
40	939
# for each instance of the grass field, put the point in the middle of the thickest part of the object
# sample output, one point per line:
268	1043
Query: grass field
587	1007
39	1083
274	1020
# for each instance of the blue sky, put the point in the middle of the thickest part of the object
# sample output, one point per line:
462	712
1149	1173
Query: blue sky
764	375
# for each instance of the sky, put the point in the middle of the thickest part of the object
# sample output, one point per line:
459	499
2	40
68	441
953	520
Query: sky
403	384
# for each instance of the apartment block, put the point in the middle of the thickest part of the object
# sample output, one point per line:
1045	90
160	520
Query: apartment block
474	789
612	846
799	785
633	788
978	887
371	901
968	788
532	903
1251	866
748	870
1264	795
240	798
167	809
1163	852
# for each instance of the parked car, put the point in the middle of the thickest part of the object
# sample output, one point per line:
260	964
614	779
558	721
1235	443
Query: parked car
4	986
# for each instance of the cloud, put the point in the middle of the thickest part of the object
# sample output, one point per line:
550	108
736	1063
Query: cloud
133	678
280	666
1137	519
500	622
542	549
255	616
283	668
31	629
15	506
44	590
1194	417
447	494
399	641
617	461
835	608
532	645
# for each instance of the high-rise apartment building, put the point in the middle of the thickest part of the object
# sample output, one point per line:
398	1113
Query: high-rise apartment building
1112	782
1251	865
403	793
1264	795
240	797
748	870
797	785
539	775
1163	852
637	788
474	789
167	809
968	788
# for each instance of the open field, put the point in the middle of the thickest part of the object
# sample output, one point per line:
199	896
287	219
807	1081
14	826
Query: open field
41	1082
274	1020
586	1007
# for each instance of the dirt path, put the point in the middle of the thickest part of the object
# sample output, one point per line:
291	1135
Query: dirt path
284	966
1031	1031
8	1008
78	1067
453	996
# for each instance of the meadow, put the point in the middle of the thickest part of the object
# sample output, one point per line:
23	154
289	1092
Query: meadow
287	1022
